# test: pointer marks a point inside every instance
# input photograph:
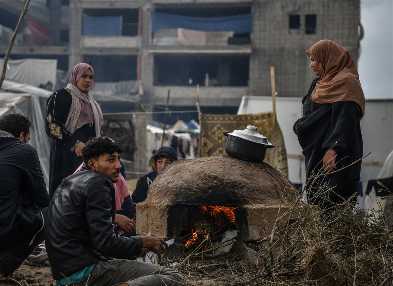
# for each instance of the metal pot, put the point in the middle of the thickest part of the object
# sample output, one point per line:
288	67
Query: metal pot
247	144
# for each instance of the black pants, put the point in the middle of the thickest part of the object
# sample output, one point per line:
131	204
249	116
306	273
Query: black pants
12	257
328	191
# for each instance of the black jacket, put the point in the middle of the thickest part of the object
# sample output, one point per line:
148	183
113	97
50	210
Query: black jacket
57	108
331	126
80	225
142	187
22	191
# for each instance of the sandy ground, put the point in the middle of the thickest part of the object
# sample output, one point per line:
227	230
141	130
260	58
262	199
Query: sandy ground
28	275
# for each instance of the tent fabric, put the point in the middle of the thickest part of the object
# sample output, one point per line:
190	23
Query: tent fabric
26	71
102	25
238	23
387	168
10	101
29	101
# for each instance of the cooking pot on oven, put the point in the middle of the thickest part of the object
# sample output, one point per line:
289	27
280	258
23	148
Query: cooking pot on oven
247	144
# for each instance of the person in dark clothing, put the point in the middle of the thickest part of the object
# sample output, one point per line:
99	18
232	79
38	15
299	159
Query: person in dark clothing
23	194
329	131
160	160
81	243
124	206
73	117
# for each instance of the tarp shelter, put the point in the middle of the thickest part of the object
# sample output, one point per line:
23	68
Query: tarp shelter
26	71
29	101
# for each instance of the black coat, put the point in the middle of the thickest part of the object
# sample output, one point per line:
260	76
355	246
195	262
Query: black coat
142	187
63	161
23	192
80	230
331	126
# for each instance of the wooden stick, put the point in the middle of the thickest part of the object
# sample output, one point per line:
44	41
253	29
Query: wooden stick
198	107
12	41
274	92
166	109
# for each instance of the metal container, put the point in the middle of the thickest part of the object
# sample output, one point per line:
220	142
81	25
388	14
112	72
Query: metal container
247	144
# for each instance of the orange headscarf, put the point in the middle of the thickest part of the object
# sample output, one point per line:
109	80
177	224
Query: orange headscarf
339	80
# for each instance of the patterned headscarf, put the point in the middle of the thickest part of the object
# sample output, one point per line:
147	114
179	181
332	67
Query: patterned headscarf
77	72
77	97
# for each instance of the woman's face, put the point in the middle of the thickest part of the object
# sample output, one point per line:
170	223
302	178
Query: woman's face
315	66
86	81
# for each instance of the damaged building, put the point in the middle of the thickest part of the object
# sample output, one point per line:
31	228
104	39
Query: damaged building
161	55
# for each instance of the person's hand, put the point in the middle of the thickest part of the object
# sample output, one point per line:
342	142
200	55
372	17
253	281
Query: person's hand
154	244
78	147
125	223
329	160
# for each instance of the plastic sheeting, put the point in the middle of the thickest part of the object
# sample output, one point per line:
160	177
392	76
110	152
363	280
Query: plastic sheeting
387	168
29	101
372	203
237	23
26	71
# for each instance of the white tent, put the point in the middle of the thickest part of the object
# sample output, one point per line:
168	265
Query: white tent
29	101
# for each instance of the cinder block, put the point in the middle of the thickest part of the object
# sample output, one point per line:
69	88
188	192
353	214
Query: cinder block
151	220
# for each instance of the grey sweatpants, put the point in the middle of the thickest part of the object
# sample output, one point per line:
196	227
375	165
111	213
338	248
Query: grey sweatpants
113	272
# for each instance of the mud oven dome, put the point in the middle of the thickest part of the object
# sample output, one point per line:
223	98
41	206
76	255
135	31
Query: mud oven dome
212	197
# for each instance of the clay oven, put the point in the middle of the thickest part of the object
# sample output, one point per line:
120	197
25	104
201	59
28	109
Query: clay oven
211	195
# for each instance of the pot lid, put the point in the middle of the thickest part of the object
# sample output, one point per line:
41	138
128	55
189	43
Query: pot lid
251	134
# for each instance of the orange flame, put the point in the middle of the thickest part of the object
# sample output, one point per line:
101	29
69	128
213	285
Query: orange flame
213	211
229	212
193	239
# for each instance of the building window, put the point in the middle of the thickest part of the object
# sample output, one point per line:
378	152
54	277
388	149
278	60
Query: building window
294	22
311	24
201	69
215	25
113	68
65	2
64	36
110	22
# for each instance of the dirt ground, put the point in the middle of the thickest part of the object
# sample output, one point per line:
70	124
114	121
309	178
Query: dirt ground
28	275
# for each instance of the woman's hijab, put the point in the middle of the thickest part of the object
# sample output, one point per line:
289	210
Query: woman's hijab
78	96
339	80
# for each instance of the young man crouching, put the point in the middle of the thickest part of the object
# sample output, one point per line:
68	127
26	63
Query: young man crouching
81	243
